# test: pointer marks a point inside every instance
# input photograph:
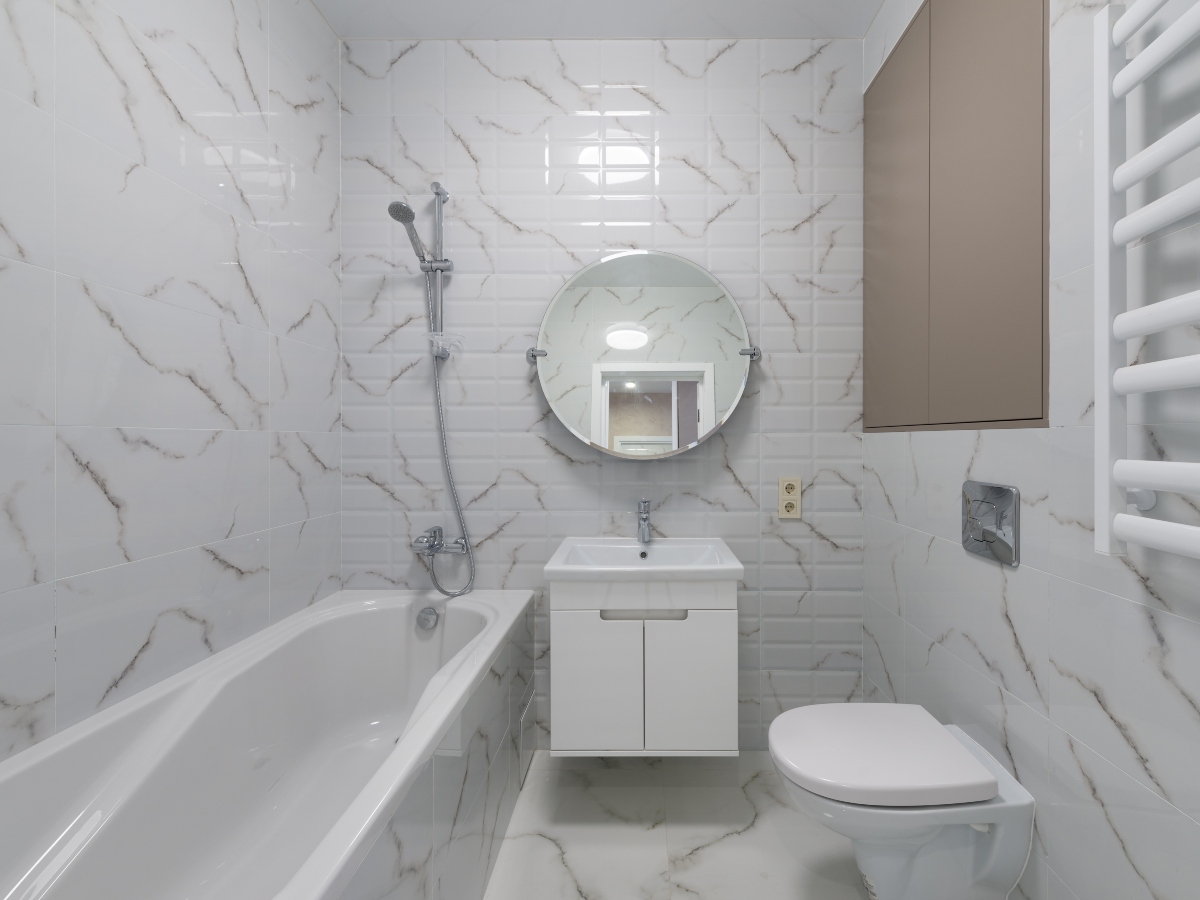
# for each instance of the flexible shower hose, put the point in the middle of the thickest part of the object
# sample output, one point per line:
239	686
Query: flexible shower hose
441	417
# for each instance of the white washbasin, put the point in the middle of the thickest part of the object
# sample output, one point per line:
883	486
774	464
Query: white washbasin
624	559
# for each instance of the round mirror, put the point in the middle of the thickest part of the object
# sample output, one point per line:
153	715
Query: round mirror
643	354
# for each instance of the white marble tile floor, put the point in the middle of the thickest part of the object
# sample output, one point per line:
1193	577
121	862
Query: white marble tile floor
666	829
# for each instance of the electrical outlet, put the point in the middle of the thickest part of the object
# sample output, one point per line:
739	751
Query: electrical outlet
789	498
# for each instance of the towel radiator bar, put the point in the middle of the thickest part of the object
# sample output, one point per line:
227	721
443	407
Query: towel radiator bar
1122	482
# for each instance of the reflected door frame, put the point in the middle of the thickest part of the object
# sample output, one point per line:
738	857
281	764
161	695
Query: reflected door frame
604	373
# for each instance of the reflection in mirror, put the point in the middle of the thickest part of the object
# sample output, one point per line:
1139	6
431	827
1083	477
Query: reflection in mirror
643	354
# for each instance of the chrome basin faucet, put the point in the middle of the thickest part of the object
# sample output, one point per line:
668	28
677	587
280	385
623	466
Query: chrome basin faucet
643	521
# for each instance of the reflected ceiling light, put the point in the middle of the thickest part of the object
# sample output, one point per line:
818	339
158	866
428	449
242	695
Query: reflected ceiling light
627	336
631	384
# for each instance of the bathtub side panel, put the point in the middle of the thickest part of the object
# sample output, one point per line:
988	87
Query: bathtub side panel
474	793
398	866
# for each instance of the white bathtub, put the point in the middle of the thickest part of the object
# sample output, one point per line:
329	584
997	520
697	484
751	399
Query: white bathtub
270	769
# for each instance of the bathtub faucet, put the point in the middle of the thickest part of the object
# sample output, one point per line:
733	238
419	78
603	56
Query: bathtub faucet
643	521
433	542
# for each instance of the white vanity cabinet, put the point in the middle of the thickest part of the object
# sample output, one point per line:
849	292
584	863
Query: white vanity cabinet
643	649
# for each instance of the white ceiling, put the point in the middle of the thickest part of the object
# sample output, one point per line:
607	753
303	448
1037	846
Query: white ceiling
483	19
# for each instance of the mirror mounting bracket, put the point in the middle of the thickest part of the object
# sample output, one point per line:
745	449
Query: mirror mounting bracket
532	354
753	352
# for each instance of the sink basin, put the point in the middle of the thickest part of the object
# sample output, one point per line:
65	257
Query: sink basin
624	559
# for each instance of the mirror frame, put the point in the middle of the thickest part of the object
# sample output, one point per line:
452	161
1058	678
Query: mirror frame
717	425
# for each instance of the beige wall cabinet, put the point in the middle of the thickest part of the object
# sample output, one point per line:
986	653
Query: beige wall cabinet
955	240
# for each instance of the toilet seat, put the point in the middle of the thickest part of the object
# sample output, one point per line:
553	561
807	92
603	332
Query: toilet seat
877	754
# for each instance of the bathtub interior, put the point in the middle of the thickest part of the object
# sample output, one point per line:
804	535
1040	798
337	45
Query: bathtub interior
231	783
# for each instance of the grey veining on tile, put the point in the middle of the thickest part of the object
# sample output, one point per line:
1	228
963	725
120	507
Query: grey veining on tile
26	344
26	183
122	225
117	86
124	628
27	686
305	564
27	51
223	46
165	367
110	482
27	534
666	827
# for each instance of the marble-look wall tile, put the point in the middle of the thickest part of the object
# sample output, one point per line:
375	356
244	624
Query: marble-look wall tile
225	47
304	299
304	387
115	85
393	78
301	33
27	183
991	617
1071	195
305	564
1159	580
110	485
26	344
27	536
1072	388
305	211
124	628
1126	683
303	111
27	685
1109	836
883	651
122	225
305	470
27	52
129	361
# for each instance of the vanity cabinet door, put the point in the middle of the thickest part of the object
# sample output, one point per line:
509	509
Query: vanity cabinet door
691	681
596	697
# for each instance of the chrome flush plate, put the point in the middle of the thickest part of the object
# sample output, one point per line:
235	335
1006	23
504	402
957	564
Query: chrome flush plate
991	521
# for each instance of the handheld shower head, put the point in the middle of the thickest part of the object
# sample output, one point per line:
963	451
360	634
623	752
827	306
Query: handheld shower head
403	213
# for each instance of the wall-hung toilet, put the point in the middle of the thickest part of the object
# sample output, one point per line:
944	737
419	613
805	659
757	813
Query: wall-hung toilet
932	815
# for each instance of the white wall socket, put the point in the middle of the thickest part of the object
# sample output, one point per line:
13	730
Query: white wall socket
789	498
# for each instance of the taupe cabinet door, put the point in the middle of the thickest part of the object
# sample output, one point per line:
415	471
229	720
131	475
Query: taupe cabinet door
985	210
896	236
954	219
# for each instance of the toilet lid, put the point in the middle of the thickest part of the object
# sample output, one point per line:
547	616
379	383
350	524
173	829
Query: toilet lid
877	754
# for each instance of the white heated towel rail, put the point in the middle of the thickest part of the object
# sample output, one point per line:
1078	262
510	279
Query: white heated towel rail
1119	481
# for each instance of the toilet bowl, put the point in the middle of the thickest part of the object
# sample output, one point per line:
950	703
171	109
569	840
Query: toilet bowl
931	814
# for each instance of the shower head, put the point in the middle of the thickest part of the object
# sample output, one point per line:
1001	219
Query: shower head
403	213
